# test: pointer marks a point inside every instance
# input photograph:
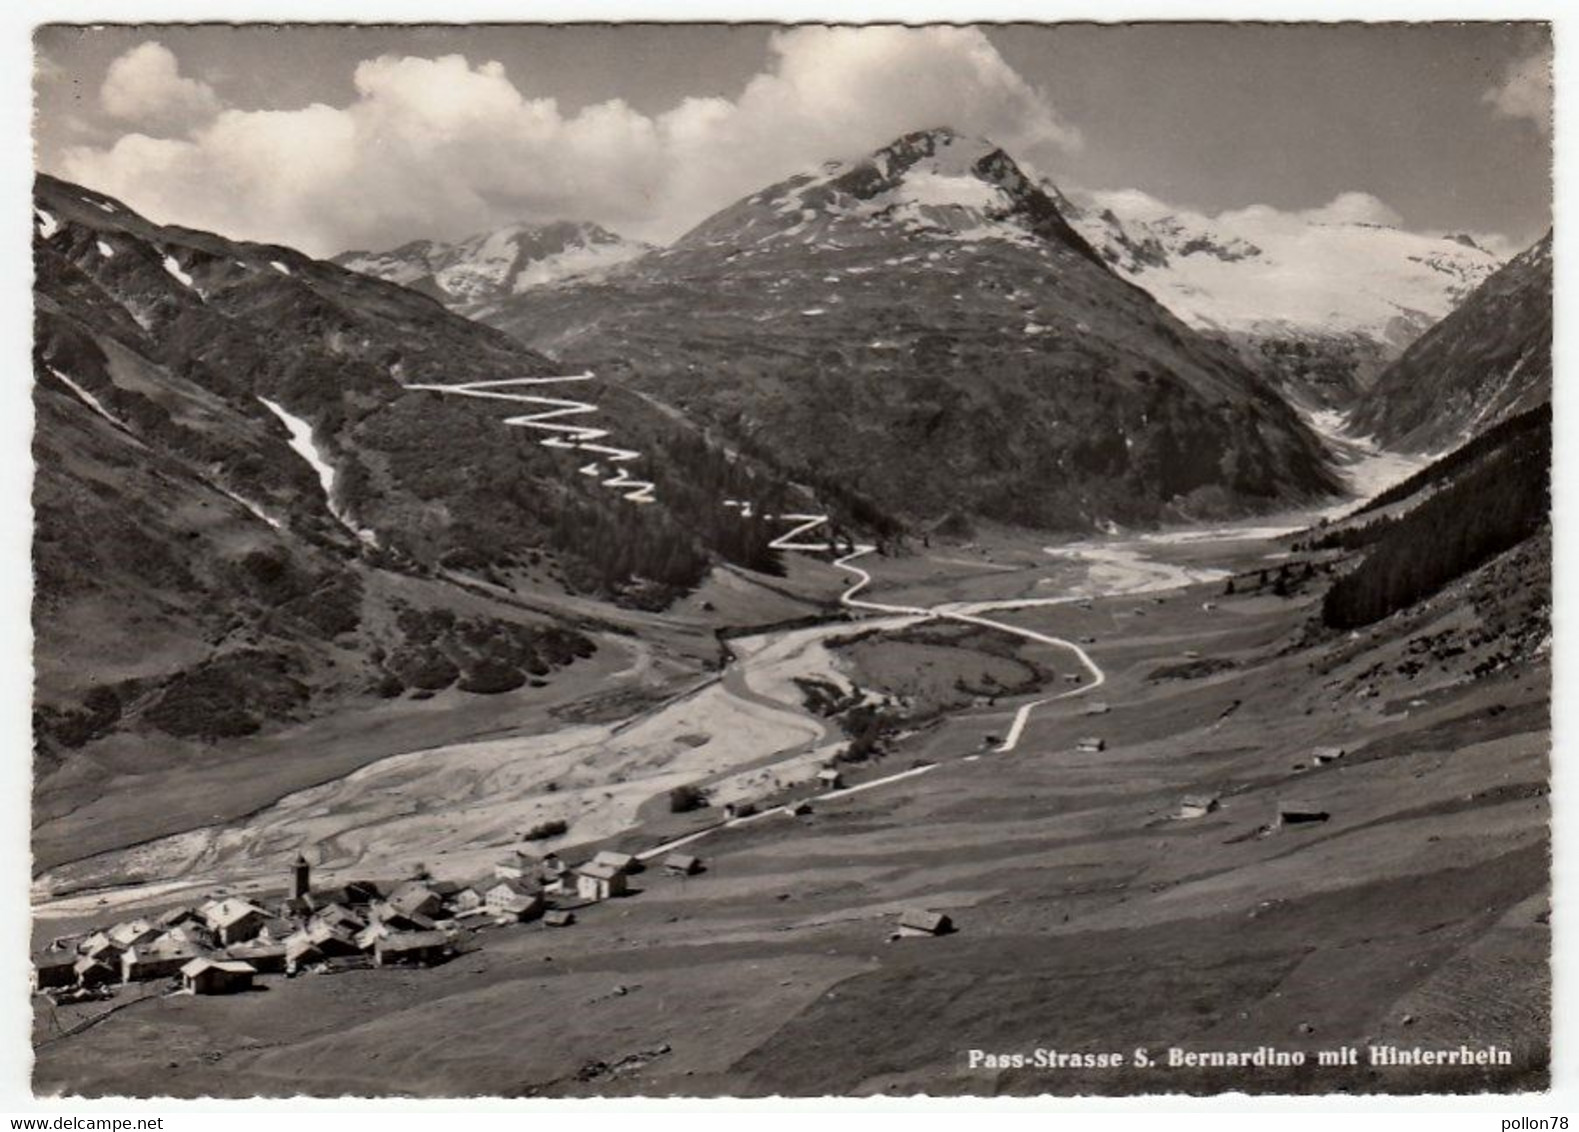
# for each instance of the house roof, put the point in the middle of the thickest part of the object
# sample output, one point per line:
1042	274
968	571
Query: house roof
514	886
232	910
390	912
681	861
54	960
299	945
829	772
229	966
319	931
336	913
257	950
161	949
412	896
616	860
131	931
600	871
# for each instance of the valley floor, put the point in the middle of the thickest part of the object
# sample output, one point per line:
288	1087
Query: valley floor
1090	916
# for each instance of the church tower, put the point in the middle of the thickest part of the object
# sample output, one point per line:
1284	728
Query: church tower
301	878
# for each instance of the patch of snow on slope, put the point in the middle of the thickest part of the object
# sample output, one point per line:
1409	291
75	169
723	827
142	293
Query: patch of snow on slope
105	250
85	397
485	265
573	263
252	507
280	267
174	268
47	224
958	190
302	444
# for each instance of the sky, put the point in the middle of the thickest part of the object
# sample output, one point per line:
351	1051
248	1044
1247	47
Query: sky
330	137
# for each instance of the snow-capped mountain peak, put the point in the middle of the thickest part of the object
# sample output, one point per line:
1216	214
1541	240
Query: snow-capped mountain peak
491	265
1332	270
935	182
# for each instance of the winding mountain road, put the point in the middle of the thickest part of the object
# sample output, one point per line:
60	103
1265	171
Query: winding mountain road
575	437
962	613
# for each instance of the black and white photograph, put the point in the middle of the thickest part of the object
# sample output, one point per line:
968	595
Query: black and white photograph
789	560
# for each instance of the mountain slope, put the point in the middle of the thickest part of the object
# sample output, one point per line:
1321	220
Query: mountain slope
245	522
1321	302
1489	359
490	266
924	326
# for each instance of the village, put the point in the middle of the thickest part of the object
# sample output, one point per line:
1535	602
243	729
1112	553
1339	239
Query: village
221	945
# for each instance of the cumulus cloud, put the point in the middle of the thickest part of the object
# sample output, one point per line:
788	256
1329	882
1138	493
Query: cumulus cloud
1526	90
1291	235
442	147
145	86
1346	208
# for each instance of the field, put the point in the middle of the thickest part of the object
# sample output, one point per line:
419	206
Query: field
1090	915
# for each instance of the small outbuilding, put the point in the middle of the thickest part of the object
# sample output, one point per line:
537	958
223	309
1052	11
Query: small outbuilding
217	976
1321	756
1196	806
559	918
1091	743
1300	812
595	881
412	949
1097	707
682	865
830	778
918	921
